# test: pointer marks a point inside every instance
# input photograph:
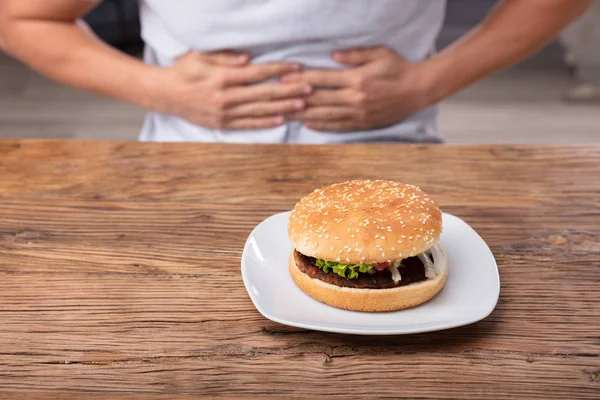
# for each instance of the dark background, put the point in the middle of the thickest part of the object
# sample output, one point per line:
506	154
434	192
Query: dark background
117	22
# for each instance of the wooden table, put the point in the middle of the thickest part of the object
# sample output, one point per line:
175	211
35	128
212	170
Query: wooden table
120	273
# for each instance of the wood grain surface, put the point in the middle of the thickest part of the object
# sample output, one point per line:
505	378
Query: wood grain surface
120	273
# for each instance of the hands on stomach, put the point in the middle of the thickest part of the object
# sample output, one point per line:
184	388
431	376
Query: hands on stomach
223	91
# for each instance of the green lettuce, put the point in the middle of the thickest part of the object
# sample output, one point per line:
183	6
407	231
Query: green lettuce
349	271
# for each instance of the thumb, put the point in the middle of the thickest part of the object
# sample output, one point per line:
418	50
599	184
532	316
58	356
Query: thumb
227	58
360	56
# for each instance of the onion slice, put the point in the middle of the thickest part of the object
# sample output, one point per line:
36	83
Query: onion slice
432	269
395	273
439	259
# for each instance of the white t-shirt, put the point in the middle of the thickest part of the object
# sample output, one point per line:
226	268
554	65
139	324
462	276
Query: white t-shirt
305	31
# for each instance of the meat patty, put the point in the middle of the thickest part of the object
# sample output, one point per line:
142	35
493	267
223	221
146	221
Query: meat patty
412	271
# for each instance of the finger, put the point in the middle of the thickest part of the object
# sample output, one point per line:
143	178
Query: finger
321	78
339	97
255	123
264	109
228	58
192	55
321	114
333	126
259	73
360	56
266	92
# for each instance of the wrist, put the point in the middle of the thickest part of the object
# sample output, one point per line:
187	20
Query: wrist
156	83
434	86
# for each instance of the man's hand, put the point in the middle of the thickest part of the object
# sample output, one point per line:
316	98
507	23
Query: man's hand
380	89
213	91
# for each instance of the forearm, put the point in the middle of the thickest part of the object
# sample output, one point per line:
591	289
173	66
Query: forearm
513	31
68	53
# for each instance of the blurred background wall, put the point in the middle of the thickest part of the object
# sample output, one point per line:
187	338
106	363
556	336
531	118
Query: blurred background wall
551	98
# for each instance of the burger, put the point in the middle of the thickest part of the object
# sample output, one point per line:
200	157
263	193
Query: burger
368	246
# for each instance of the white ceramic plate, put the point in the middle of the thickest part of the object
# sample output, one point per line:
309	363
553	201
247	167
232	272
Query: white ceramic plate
470	294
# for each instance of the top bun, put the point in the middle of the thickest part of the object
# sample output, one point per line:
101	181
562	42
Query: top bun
365	222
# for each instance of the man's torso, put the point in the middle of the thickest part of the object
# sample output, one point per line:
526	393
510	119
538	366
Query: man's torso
304	31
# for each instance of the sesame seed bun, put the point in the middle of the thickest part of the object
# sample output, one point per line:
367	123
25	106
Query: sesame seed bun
365	222
369	300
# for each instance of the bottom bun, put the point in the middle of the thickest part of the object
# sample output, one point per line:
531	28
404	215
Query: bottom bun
370	300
